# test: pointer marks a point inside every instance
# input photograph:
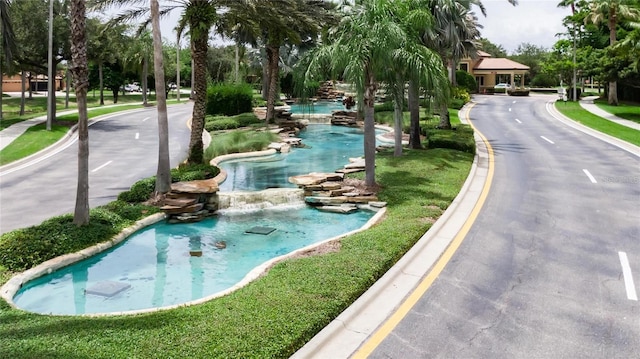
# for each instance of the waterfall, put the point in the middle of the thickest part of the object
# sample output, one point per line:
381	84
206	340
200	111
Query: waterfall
256	200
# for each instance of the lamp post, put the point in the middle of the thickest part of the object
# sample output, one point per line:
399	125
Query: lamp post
51	73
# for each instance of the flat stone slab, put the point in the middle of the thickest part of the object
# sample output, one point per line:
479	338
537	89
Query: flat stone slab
260	230
203	186
107	288
338	209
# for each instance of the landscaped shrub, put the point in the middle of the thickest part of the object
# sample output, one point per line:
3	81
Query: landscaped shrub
466	81
229	99
143	189
219	123
460	138
139	191
239	141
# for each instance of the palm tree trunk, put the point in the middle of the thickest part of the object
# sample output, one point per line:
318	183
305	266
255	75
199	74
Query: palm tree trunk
145	74
273	57
101	82
23	77
66	97
163	174
199	56
369	129
613	86
414	113
81	82
445	121
397	115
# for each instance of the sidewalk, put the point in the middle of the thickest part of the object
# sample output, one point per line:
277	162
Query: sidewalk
588	104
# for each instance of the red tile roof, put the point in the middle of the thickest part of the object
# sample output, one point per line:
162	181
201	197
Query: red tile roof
499	64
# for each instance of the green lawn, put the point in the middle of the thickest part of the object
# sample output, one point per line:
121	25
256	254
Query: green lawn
278	313
574	111
626	109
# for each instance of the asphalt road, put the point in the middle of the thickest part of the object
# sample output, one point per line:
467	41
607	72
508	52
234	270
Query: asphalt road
546	270
123	148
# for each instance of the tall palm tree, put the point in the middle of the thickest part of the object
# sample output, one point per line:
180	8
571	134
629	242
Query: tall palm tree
199	16
80	73
284	22
612	12
368	41
163	174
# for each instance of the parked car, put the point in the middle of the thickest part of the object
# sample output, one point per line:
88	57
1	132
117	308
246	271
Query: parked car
502	86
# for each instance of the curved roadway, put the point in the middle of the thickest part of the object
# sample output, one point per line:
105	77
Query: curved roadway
551	266
123	148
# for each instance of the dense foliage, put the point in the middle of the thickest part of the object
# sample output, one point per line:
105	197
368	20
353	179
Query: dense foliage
229	99
217	123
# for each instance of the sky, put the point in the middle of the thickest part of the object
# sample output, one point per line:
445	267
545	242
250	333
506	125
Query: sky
532	21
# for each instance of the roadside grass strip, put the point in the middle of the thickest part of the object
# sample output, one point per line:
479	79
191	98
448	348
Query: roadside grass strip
578	114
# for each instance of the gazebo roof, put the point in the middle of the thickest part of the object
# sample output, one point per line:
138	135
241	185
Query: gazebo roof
487	63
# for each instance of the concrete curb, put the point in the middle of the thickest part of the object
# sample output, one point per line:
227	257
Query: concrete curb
631	148
345	334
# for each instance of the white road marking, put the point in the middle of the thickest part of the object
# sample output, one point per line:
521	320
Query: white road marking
509	109
548	140
137	135
101	167
518	121
591	178
146	118
628	278
514	101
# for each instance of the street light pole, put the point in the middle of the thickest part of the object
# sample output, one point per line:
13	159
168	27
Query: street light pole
51	74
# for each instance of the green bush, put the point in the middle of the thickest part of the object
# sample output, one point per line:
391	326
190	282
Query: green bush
466	81
229	99
139	191
460	138
246	119
239	141
143	189
220	123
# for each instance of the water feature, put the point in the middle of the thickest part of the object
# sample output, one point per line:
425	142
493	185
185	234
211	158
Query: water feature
320	107
167	265
157	265
328	148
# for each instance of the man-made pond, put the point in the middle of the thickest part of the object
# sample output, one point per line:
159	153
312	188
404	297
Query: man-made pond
154	268
320	107
327	148
171	264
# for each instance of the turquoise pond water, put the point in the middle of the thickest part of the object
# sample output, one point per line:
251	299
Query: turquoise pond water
154	266
320	107
327	148
156	263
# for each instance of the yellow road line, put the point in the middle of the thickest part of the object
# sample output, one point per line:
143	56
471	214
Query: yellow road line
379	335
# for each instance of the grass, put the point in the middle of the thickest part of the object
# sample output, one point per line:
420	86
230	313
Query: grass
278	313
627	110
33	140
223	143
574	111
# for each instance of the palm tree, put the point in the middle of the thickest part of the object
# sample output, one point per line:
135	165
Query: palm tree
81	82
366	43
289	21
163	174
199	16
613	12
